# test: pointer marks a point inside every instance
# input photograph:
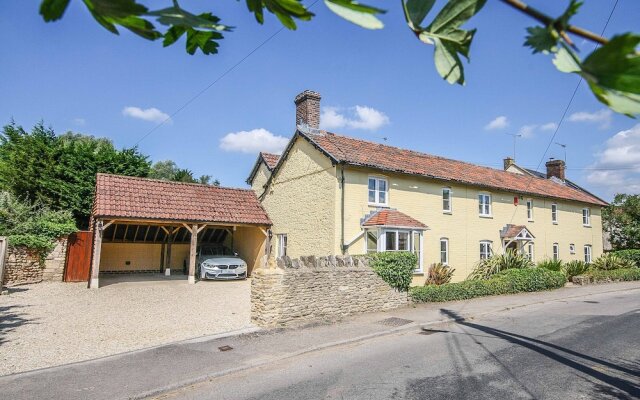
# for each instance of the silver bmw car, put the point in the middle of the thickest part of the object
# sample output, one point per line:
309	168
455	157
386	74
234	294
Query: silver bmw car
219	262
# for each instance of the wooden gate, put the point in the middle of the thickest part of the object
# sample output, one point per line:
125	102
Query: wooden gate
79	257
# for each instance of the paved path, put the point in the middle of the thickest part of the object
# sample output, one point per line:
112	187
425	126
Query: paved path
160	369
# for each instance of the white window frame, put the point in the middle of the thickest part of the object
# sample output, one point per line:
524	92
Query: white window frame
572	248
554	213
484	208
530	210
531	251
282	244
444	254
449	200
586	217
489	250
382	242
555	251
587	253
377	191
375	232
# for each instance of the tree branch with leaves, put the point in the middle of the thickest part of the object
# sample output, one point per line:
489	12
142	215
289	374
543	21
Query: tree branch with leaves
612	71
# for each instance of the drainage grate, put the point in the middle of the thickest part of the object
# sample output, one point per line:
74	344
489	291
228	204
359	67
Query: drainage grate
225	348
394	321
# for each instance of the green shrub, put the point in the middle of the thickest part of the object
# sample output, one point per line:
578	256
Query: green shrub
395	267
574	268
439	274
499	262
550	264
510	281
631	255
609	261
533	280
615	275
32	225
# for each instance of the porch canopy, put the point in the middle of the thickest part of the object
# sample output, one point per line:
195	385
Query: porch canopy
515	236
137	221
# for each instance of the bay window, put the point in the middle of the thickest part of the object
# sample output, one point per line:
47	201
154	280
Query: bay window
383	239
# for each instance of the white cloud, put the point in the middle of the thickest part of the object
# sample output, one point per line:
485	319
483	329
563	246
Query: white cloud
253	141
601	117
527	130
617	166
149	114
500	122
358	117
549	126
79	121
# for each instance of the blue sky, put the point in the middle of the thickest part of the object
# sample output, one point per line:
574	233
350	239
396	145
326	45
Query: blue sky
77	76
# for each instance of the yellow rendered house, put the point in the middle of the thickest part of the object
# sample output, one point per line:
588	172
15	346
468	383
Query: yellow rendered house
329	194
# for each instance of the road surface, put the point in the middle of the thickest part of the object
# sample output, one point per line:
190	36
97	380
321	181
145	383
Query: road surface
581	348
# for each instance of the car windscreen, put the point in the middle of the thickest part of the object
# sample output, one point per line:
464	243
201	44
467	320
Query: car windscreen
215	251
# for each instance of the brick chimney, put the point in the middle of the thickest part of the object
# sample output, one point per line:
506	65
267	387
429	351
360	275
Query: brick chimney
555	168
508	162
308	109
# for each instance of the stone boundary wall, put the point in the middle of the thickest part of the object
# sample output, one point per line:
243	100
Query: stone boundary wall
23	265
318	288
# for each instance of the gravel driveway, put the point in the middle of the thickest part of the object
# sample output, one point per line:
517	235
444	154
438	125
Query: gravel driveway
49	324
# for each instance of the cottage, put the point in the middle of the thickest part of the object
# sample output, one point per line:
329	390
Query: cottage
333	194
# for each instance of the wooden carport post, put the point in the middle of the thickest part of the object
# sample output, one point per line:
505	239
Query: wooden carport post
192	253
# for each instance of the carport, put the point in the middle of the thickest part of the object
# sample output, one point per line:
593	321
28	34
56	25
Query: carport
144	225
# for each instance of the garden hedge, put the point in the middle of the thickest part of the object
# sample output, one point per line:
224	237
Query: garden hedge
506	282
614	275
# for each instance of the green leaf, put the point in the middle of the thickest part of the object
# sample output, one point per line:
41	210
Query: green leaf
417	10
356	13
125	13
616	65
52	10
566	60
454	14
175	16
541	39
620	102
203	40
562	22
447	62
450	41
173	34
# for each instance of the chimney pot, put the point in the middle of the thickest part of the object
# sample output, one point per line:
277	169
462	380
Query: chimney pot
556	168
508	162
308	109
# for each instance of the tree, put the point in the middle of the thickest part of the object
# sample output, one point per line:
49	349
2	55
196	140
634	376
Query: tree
169	171
59	172
612	71
622	220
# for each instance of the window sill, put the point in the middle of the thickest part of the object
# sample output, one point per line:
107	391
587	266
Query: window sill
531	220
418	273
555	223
587	226
486	216
379	205
447	212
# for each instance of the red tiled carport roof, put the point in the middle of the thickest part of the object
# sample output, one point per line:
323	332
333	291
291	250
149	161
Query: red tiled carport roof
392	218
128	197
362	153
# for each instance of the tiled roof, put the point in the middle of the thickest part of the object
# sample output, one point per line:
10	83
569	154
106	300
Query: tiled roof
511	231
131	197
270	159
374	155
392	218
